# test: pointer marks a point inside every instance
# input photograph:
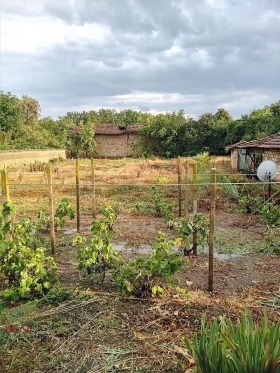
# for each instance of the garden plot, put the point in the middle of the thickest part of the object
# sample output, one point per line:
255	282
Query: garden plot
85	326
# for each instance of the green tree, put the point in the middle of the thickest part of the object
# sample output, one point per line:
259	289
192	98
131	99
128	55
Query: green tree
9	112
29	111
54	132
80	137
164	135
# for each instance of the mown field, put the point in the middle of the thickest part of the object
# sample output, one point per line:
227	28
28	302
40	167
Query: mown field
84	325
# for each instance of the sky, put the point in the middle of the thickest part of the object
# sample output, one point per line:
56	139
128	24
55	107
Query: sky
145	55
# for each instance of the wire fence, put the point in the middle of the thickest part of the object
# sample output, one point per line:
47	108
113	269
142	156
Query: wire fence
184	191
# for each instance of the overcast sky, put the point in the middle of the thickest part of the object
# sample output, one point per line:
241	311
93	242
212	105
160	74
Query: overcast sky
148	55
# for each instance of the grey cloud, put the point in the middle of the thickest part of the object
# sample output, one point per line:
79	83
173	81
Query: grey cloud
222	53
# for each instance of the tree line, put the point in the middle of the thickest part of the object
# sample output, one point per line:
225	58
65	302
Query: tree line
165	135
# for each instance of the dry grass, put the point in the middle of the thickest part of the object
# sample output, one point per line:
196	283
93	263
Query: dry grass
103	333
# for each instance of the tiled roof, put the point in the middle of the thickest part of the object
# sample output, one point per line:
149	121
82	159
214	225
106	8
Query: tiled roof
269	142
115	129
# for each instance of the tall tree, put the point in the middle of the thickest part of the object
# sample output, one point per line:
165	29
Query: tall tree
29	111
9	112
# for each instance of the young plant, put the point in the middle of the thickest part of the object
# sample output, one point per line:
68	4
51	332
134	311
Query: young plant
98	255
144	276
271	214
63	210
162	208
28	270
250	204
186	228
243	347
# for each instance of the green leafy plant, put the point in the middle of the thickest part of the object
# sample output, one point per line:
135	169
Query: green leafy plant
162	208
244	347
186	228
63	210
144	276
271	214
98	255
230	190
250	204
28	270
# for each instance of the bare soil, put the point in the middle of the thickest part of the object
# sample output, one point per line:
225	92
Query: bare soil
103	333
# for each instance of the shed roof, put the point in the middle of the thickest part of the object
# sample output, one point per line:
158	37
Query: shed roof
115	129
269	142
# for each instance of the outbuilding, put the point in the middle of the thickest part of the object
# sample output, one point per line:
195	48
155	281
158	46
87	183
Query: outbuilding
246	156
115	141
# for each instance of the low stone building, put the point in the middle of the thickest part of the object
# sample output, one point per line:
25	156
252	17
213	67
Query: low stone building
114	141
246	156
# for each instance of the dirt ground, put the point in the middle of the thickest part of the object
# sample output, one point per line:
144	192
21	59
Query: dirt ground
108	334
96	331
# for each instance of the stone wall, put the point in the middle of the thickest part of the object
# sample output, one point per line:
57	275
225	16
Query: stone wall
115	146
268	154
273	155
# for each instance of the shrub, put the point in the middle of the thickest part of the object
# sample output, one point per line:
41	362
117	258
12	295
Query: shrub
244	347
98	255
271	214
28	270
186	228
162	208
63	210
144	276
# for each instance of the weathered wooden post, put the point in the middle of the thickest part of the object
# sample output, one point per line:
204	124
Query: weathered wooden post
78	195
93	189
212	228
51	209
195	188
179	187
5	185
186	209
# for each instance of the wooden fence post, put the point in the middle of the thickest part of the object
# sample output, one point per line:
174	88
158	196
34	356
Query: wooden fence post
179	187
78	195
93	189
212	228
5	185
186	208
51	209
195	188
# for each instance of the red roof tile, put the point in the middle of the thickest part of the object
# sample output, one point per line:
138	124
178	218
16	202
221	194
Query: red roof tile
269	142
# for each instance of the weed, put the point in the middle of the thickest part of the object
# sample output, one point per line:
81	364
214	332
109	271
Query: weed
243	347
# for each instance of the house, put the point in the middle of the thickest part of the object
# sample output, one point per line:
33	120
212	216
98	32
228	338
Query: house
246	156
115	141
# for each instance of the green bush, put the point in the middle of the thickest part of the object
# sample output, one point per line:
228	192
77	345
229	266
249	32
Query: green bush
98	255
188	226
271	214
250	204
144	276
244	347
63	210
26	266
163	208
